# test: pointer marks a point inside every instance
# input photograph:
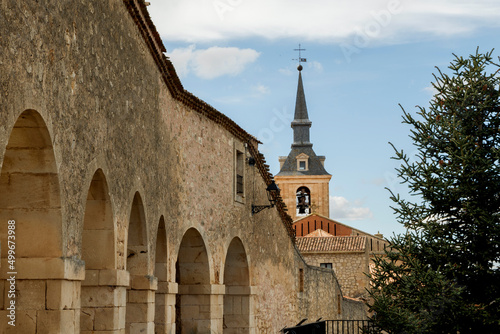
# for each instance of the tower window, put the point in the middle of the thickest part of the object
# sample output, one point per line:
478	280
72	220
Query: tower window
302	162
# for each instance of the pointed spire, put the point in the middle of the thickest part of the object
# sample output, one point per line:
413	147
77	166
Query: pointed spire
301	122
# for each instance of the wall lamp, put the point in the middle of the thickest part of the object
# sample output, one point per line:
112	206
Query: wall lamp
272	193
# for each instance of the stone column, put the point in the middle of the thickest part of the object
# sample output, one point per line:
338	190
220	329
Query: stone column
140	313
201	308
104	294
47	295
238	310
165	308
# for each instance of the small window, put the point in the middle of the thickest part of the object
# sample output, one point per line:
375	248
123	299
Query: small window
239	172
326	265
302	165
301	280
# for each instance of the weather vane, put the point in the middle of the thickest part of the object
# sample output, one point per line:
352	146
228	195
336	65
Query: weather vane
301	60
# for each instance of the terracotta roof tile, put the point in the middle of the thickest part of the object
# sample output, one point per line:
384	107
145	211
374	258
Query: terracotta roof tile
331	244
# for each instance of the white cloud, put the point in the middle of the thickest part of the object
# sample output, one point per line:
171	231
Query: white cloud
316	65
431	90
378	21
261	89
212	62
342	209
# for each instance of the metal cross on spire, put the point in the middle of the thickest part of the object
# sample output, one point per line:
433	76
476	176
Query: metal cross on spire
300	59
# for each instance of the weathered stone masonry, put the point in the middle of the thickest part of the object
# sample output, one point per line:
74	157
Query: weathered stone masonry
120	184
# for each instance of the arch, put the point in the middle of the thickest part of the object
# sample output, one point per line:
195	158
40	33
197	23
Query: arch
303	201
99	254
98	237
139	293
162	320
192	307
30	201
237	305
137	246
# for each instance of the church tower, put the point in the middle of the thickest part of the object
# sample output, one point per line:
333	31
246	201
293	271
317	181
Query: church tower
302	178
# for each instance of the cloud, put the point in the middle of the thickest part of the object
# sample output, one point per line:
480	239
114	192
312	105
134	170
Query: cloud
261	89
381	21
430	90
212	62
315	65
343	209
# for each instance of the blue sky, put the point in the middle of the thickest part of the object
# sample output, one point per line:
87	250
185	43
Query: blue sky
364	57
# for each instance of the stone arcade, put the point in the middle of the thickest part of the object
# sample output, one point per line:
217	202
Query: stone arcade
130	197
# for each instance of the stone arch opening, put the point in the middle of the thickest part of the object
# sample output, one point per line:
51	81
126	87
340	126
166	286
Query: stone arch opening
164	302
102	280
193	301
140	294
30	208
237	299
303	201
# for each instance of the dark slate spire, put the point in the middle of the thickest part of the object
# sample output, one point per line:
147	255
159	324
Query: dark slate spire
301	144
301	122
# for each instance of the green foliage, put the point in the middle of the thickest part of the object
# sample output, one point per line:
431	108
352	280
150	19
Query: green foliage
443	276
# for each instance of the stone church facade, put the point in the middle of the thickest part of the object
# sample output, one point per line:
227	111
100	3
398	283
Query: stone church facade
125	201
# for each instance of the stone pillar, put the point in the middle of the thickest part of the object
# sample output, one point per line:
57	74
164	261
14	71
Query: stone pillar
140	313
238	310
165	308
201	308
47	295
104	295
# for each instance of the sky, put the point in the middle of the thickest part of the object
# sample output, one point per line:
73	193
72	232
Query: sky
365	60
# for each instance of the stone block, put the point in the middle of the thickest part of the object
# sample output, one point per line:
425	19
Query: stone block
91	278
25	322
108	318
141	296
87	316
48	268
103	296
140	312
114	277
30	295
57	321
141	328
98	249
38	232
63	295
138	282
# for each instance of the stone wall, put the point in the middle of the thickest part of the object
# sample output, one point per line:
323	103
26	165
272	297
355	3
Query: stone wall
350	268
122	190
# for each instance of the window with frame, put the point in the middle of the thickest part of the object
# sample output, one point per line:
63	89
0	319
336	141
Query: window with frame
327	265
239	172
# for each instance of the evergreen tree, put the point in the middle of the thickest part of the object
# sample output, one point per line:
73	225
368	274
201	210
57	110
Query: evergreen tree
443	275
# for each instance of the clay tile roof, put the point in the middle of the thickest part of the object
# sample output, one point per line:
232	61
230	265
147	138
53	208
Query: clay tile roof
318	233
331	244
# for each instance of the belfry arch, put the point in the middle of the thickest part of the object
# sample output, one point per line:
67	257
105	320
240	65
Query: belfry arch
237	299
30	207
